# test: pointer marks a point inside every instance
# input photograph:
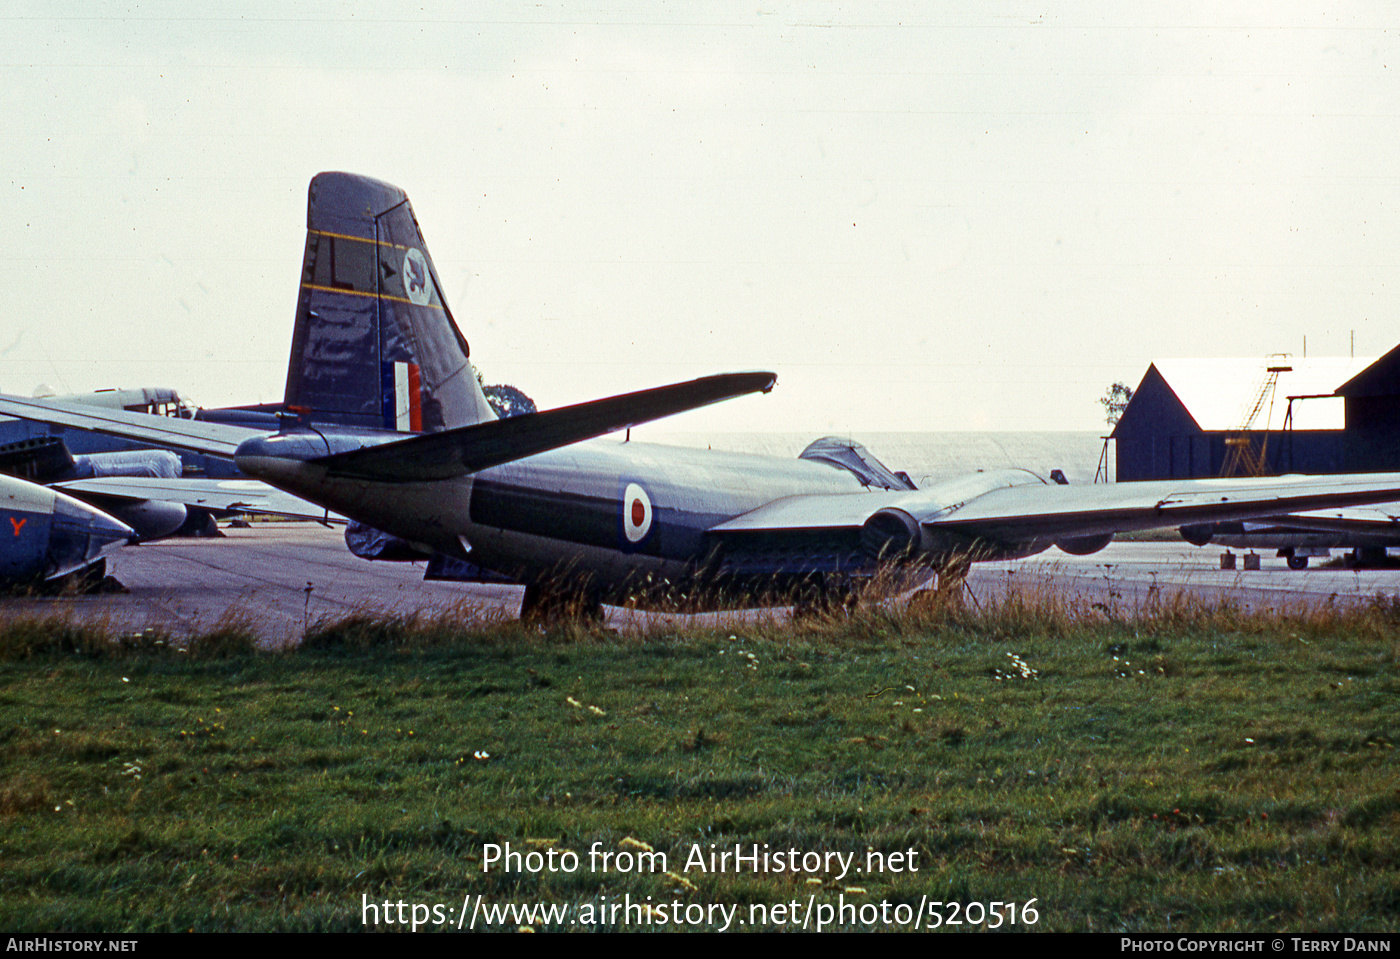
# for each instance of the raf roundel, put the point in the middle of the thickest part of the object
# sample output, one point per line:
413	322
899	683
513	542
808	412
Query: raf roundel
636	513
416	283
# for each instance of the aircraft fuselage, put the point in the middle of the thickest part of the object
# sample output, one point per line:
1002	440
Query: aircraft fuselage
571	505
619	513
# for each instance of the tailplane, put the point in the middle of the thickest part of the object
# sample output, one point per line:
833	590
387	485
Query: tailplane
374	343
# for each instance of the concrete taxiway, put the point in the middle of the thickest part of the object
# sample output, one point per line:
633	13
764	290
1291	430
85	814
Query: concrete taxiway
1134	576
278	578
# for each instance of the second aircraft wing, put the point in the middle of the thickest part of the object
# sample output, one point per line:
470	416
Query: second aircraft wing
1016	506
218	495
216	439
1383	518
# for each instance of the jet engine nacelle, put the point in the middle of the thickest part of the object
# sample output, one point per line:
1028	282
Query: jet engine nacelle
1084	545
1199	534
45	534
150	518
894	534
891	534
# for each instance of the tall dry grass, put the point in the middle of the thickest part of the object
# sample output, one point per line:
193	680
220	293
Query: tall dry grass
890	606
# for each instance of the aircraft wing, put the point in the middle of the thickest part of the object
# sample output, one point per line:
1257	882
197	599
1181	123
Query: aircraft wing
1018	511
1068	511
468	449
234	496
217	439
1383	518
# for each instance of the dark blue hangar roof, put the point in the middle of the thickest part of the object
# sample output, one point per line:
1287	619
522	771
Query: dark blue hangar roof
1299	415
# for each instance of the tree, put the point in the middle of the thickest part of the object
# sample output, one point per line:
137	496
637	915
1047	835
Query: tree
1115	400
505	399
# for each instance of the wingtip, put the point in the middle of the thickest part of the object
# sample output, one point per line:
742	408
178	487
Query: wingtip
762	381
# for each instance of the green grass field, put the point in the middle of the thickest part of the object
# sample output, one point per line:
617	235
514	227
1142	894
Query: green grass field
1194	770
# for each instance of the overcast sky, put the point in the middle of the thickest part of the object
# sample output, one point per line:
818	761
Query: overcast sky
921	216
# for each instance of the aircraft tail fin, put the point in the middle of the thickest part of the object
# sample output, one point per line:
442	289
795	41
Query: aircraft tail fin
375	343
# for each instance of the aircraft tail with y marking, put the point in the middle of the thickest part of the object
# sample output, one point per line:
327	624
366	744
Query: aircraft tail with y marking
374	343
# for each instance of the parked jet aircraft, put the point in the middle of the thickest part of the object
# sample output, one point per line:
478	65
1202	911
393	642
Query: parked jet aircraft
526	497
108	471
44	454
113	474
144	488
45	534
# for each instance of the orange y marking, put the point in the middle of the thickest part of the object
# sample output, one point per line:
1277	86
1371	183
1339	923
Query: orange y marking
18	524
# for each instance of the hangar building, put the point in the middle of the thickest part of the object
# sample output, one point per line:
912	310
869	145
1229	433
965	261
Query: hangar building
1280	414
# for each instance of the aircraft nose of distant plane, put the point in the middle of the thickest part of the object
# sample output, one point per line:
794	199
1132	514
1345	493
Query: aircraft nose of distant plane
82	534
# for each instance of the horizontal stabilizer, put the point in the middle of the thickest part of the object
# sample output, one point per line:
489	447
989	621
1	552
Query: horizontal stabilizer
468	449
